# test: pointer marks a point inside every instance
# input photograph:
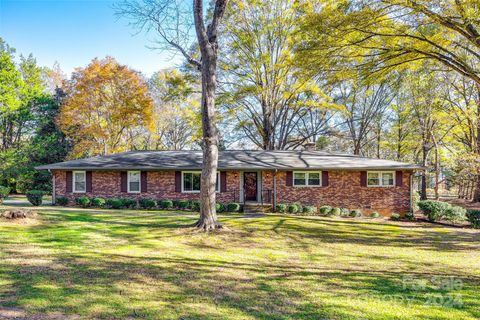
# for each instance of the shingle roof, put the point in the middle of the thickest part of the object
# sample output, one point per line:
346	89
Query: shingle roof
240	160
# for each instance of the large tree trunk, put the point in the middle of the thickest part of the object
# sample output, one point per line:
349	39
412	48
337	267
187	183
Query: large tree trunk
476	196
423	188
207	40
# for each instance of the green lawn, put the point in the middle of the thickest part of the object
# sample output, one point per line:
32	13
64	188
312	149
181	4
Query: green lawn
125	264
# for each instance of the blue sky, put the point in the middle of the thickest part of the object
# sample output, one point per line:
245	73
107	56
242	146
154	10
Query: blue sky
74	32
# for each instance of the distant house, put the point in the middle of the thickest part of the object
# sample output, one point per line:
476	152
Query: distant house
309	177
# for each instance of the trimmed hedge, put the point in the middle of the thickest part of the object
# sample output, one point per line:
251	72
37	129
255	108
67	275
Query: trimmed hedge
220	207
115	203
336	211
61	201
166	204
98	202
395	217
128	203
147	203
183	204
356	213
344	212
325	210
455	214
434	210
474	217
195	206
410	216
281	207
309	210
233	207
293	208
374	215
83	201
35	197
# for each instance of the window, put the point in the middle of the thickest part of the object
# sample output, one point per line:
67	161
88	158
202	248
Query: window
191	181
311	179
79	181
133	181
380	179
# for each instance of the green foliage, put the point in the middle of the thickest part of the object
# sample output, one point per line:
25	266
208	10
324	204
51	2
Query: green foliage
455	214
474	218
98	202
4	192
83	201
168	204
410	216
35	197
195	206
233	207
128	203
147	203
61	201
115	203
281	207
355	213
220	207
325	210
345	212
374	215
336	211
310	210
434	210
293	208
395	217
183	204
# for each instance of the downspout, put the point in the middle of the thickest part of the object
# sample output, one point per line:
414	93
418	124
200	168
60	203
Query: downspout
53	186
411	192
275	190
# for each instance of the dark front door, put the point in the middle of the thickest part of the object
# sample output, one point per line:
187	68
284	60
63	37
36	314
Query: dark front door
250	186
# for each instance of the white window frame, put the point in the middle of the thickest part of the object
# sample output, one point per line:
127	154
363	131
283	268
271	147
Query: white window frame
380	179
307	178
74	189
217	186
139	181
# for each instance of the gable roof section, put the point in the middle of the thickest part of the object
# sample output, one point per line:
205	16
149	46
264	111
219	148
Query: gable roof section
239	160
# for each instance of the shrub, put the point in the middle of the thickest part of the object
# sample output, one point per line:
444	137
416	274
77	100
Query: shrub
415	200
98	202
434	210
410	216
325	210
115	203
355	213
299	206
61	201
83	201
220	207
344	212
167	204
35	197
336	212
147	203
374	215
183	204
395	217
474	218
456	213
233	207
174	203
128	203
281	207
293	208
4	192
196	206
309	210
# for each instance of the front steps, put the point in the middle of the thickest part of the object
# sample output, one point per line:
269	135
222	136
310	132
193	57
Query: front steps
256	208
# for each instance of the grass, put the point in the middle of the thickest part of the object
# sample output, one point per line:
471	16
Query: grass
107	264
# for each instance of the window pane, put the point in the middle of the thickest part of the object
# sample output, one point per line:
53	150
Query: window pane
299	179
314	179
187	181
373	179
134	186
387	179
79	182
134	176
79	176
79	186
196	182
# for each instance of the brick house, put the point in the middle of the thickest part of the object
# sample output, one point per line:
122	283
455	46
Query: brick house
265	177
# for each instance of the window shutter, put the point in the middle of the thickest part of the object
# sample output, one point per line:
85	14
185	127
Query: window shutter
399	178
363	178
123	181
69	182
289	179
88	180
223	181
325	178
178	181
143	181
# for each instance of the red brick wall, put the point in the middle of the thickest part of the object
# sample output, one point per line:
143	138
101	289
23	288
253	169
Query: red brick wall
160	185
344	190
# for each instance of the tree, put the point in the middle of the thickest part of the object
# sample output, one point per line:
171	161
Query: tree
104	101
261	88
172	21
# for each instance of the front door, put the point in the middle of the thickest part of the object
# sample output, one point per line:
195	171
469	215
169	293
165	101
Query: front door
250	186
